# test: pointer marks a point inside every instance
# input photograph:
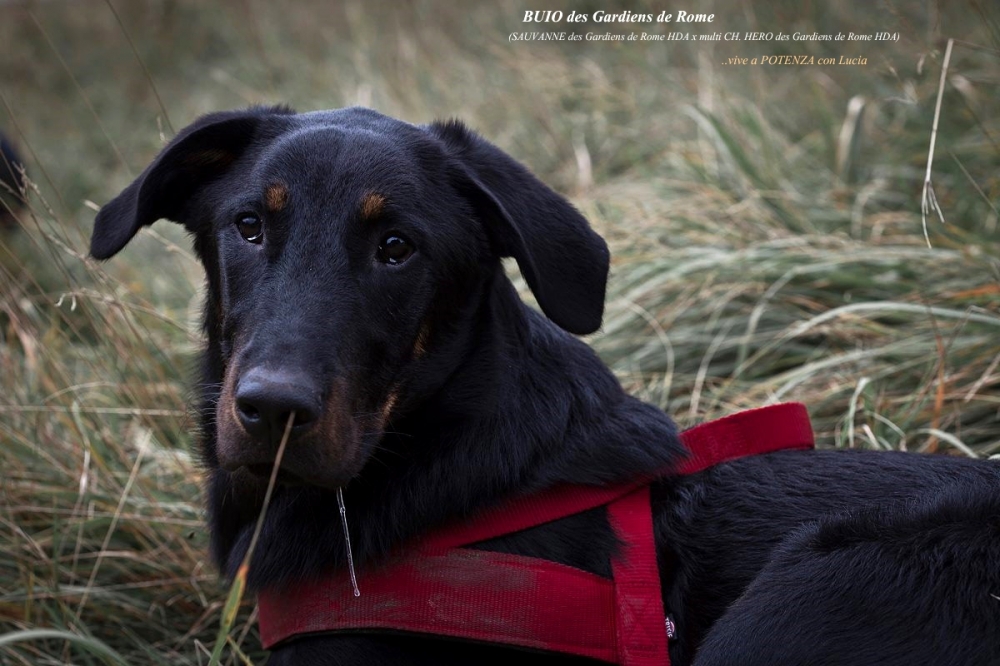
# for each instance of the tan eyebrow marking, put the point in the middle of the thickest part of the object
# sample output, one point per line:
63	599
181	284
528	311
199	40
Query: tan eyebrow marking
276	196
371	205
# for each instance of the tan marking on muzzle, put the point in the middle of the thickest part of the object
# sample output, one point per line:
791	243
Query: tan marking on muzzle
420	344
229	432
276	197
372	205
336	422
387	406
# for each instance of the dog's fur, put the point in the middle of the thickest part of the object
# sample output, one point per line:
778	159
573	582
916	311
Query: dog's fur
436	392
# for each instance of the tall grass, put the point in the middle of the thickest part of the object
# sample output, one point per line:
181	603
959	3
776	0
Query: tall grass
765	228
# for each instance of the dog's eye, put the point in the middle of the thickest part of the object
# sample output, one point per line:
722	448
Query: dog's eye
394	249
251	227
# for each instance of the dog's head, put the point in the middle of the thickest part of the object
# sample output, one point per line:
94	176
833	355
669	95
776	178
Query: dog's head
344	250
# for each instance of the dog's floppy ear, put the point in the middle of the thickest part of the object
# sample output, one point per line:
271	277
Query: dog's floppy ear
563	260
199	153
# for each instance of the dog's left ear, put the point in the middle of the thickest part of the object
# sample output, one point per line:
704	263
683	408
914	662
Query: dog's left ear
563	260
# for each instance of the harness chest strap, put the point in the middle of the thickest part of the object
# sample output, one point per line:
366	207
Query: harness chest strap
441	588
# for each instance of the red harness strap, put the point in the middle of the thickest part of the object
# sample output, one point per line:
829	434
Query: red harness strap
438	587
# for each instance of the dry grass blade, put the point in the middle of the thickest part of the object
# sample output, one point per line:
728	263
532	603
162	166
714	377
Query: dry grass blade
928	200
239	584
111	529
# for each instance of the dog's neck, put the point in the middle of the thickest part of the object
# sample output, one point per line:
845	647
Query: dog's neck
525	407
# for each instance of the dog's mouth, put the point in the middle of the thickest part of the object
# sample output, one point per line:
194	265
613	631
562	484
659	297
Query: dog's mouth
285	477
302	470
326	451
313	459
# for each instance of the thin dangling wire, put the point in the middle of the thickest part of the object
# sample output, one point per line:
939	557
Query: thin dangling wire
347	540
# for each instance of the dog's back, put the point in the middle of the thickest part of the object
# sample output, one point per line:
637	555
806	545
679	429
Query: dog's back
876	585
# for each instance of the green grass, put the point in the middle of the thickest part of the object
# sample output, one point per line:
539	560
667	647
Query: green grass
765	246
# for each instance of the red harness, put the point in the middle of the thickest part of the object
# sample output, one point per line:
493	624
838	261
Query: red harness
438	587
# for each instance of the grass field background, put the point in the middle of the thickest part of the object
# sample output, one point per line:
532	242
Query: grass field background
764	222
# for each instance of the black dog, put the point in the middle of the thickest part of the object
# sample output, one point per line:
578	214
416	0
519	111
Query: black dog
11	182
354	278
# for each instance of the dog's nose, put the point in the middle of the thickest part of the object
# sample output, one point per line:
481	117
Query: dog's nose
265	399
